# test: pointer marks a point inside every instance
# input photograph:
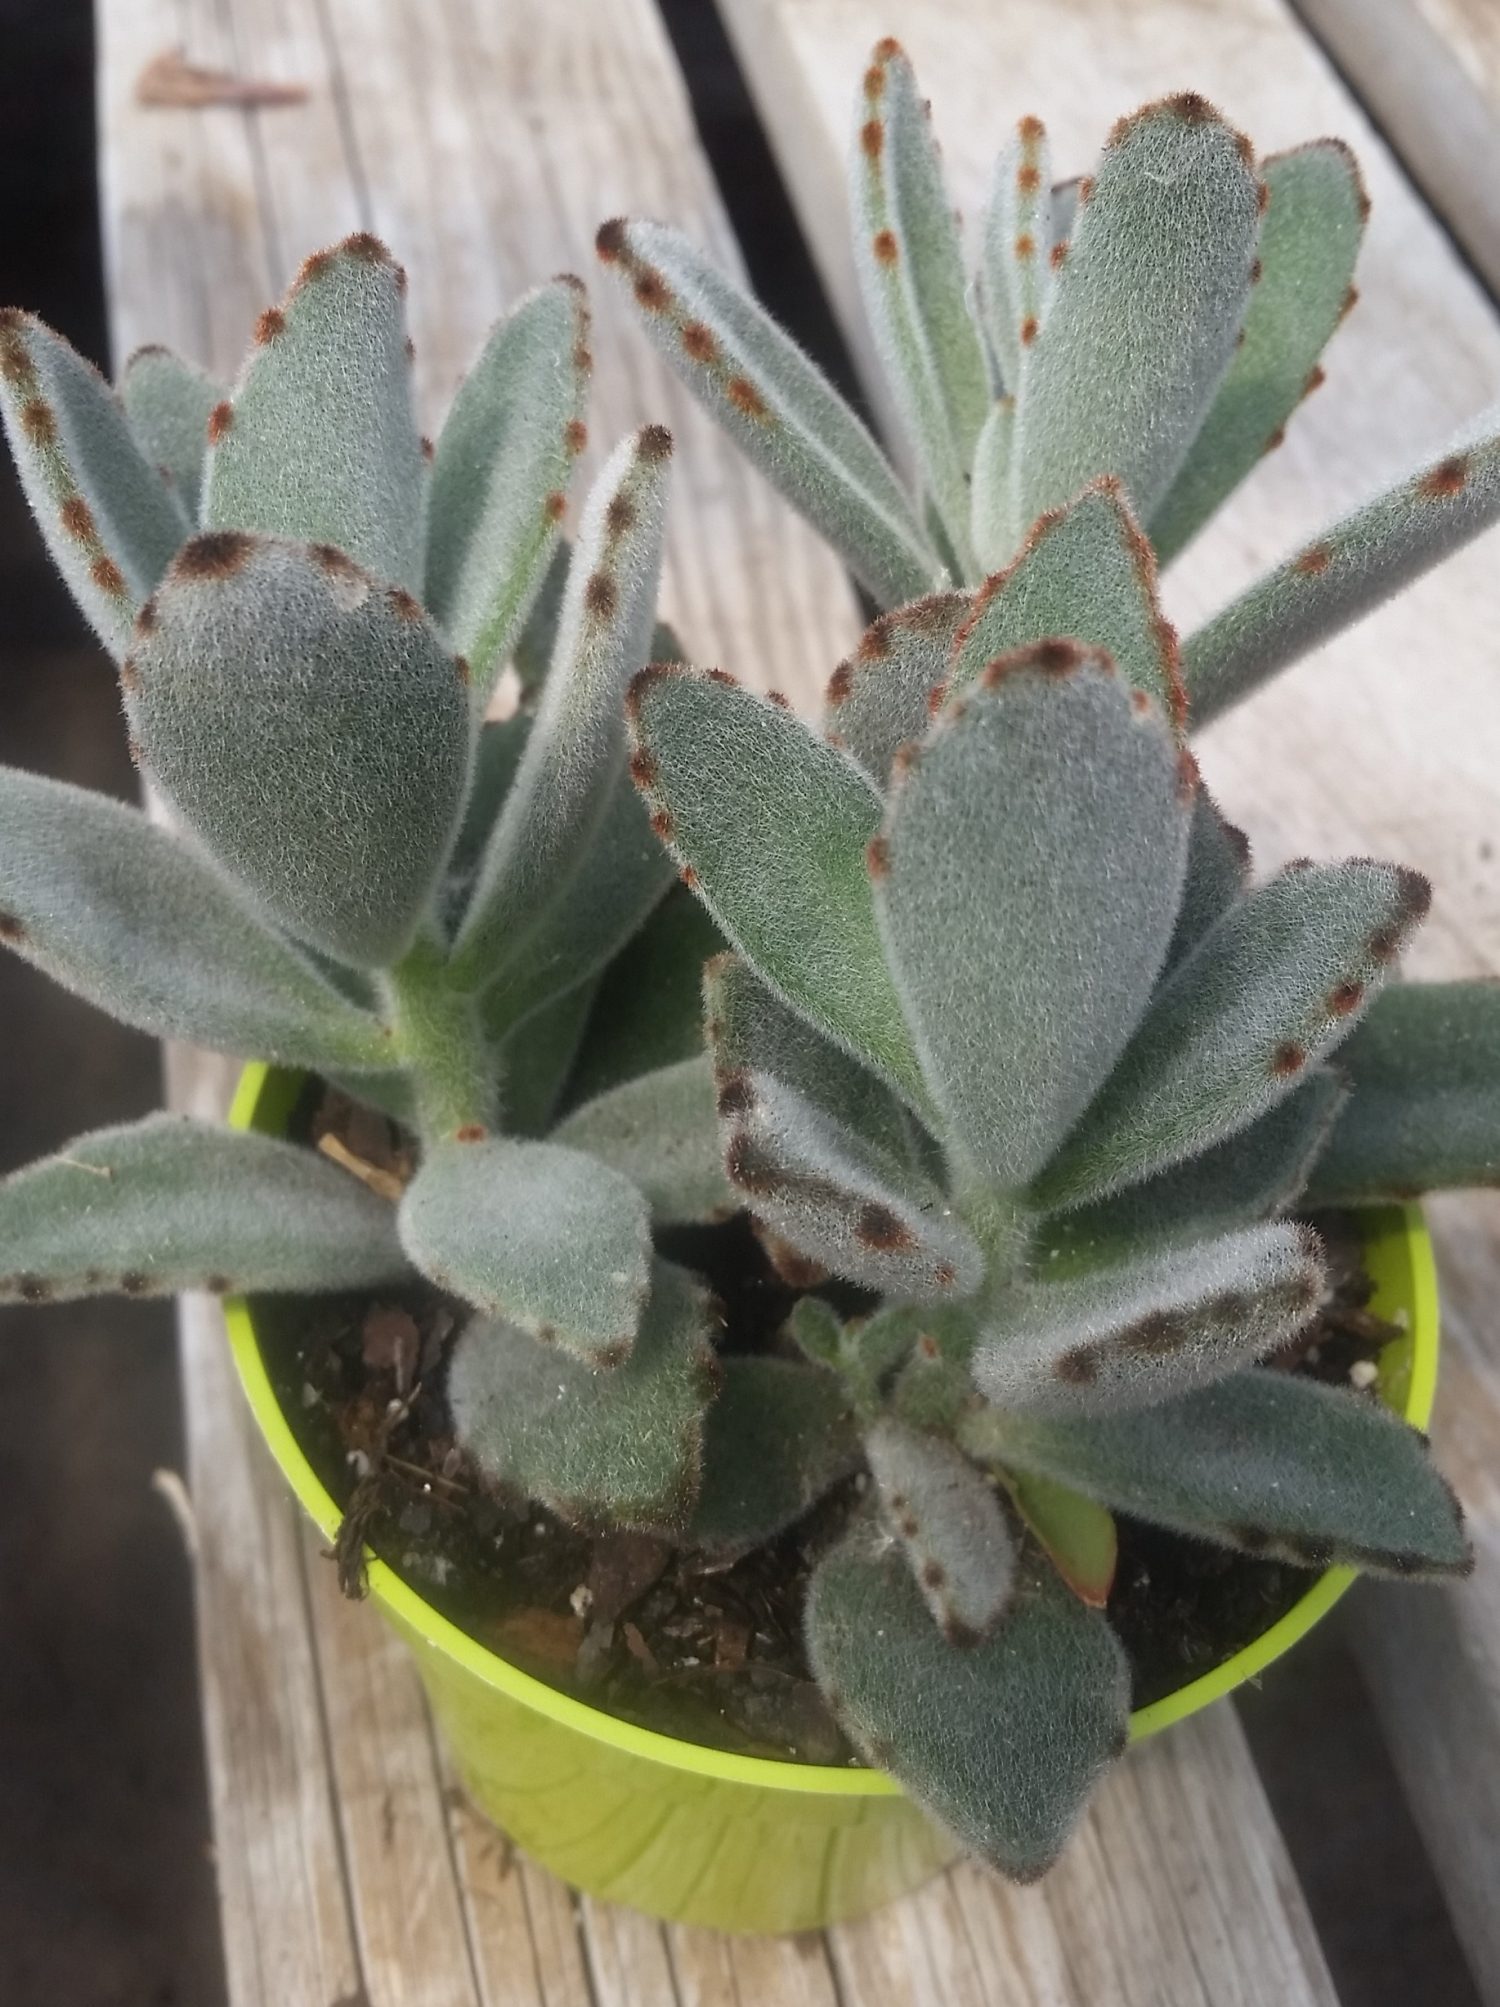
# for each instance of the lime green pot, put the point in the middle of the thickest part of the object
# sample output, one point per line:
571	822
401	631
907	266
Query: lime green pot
738	1842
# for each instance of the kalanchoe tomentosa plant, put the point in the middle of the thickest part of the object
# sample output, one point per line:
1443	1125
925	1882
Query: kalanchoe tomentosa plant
309	606
1008	1035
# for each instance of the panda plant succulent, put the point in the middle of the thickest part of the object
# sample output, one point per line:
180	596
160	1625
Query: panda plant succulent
1007	1034
309	606
1002	1034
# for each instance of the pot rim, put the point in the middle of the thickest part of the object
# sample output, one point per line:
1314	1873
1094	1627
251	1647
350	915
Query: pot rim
1400	1254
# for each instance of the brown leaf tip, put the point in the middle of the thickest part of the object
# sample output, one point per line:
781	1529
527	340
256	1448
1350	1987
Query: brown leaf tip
1447	478
1262	197
840	686
1345	997
11	928
747	1166
1416	895
556	506
652	290
722	676
216	554
1317	376
145	620
1028	178
885	247
1078	1367
600	595
780	699
1085	190
575	435
662	824
643	768
1187	775
130	676
470	1132
1191	108
311	268
1315	559
609	240
619	515
1349	302
688	876
367	247
888	50
108	576
1288	1058
39	422
220	422
77	518
878	857
872	138
269	325
333	562
698	342
1025	246
744	396
1277	438
882	1230
403	604
654	443
1029	329
735	1094
1057	256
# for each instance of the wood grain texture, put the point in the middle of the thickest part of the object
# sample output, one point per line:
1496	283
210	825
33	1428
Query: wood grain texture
1430	72
1388	741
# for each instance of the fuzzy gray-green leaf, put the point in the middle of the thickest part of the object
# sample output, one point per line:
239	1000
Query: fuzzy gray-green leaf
1144	310
951	1525
1218	873
660	1130
776	405
1253	1175
500	473
1345	572
167	404
573	767
1152	1326
1029	877
1309	240
107	516
773	823
129	917
310	727
545	1237
319	441
1423	1111
603	1450
1270	991
1015	275
649	1008
169	1204
1085	572
1267	1462
910	266
878	699
1001	1743
992	502
779	1435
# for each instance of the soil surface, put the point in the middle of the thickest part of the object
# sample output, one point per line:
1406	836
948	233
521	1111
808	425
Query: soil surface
626	1622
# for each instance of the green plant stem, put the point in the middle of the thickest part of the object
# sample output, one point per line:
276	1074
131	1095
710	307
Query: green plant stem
439	1037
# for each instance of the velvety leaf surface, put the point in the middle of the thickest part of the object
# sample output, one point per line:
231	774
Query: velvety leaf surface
992	500
167	403
1150	1327
603	1450
1270	991
878	699
1026	884
312	730
1144	310
319	442
571	777
773	824
1001	1743
1218	873
1015	275
134	920
911	274
108	518
1255	1174
1267	1462
1345	573
498	746
776	405
1423	1112
537	640
500	474
649	1010
950	1525
661	1131
533	1060
551	1240
1085	572
169	1204
778	1436
1309	240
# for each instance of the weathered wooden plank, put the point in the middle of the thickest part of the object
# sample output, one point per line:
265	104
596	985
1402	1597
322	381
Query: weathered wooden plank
1366	749
1430	72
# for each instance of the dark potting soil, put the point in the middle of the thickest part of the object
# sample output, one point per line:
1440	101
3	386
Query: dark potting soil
625	1621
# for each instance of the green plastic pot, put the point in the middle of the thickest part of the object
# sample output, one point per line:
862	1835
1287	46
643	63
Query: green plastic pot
697	1835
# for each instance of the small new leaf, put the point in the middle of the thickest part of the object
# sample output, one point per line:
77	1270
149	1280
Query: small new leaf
951	1525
